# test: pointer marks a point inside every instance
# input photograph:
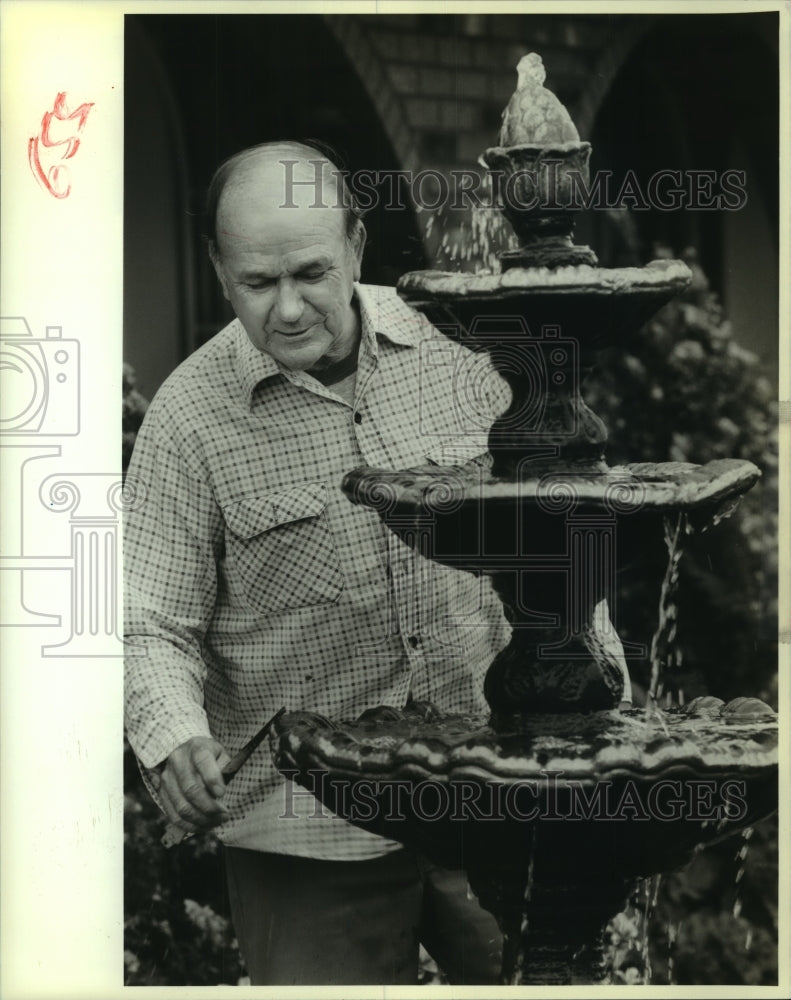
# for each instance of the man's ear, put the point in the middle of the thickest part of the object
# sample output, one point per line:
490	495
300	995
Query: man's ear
214	256
357	241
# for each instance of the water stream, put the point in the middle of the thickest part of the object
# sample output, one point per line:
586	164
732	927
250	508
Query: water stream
665	655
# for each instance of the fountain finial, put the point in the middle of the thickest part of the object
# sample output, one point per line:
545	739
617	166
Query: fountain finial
534	114
531	67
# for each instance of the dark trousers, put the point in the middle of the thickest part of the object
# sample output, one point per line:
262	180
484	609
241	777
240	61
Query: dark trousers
302	921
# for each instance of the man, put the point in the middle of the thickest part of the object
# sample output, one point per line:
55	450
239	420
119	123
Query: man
253	583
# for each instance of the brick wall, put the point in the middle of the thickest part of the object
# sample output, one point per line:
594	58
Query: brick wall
440	83
453	75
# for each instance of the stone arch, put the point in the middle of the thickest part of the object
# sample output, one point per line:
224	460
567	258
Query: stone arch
671	116
606	69
369	67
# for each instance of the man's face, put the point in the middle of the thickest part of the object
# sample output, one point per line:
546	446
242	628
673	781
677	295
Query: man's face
288	272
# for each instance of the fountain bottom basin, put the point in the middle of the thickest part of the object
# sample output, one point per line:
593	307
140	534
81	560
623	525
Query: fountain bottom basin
702	771
553	817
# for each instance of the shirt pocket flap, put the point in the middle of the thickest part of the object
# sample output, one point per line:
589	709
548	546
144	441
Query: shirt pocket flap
254	515
458	451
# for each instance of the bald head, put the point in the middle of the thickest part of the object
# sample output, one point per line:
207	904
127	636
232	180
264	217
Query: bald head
288	175
287	249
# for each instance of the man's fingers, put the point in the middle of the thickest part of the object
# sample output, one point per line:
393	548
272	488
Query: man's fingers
190	773
175	814
183	797
208	764
192	807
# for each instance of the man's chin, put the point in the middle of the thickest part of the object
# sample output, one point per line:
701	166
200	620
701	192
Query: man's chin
299	357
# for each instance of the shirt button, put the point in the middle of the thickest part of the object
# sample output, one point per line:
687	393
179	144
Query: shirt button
358	417
413	641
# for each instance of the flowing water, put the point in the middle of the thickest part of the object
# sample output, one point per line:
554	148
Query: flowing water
665	655
740	859
470	240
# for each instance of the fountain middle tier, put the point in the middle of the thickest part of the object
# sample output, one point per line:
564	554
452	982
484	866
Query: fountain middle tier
484	523
548	541
574	312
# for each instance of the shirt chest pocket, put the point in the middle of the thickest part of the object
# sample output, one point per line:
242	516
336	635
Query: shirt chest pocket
280	551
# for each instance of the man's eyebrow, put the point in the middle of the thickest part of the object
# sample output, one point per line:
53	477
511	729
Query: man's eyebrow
321	260
256	272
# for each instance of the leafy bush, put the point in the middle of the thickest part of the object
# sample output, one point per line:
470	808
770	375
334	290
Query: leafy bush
133	409
716	921
177	929
684	390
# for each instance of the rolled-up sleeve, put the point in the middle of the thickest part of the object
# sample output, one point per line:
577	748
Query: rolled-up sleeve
171	538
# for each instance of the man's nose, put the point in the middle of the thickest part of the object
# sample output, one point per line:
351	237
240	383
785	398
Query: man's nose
289	301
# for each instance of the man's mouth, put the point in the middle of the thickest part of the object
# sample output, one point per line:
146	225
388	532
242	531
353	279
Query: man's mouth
292	333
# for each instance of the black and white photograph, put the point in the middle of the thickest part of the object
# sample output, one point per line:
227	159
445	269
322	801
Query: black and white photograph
423	622
464	486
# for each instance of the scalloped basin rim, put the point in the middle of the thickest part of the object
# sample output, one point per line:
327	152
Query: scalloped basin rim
546	148
585	748
580	279
638	486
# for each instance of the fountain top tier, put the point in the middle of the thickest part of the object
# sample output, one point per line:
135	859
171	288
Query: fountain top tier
539	174
538	170
573	306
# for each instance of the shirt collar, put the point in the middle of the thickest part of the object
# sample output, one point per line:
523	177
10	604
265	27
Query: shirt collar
381	315
252	365
383	312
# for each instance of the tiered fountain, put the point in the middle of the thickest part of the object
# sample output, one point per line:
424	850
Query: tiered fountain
566	794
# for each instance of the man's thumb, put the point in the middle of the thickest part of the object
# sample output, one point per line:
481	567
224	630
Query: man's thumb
222	756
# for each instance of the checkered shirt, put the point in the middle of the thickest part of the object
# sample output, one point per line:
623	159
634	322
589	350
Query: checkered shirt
253	583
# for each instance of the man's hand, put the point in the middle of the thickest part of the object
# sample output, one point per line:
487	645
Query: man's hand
191	787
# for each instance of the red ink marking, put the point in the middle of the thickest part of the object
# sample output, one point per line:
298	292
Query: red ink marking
55	178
